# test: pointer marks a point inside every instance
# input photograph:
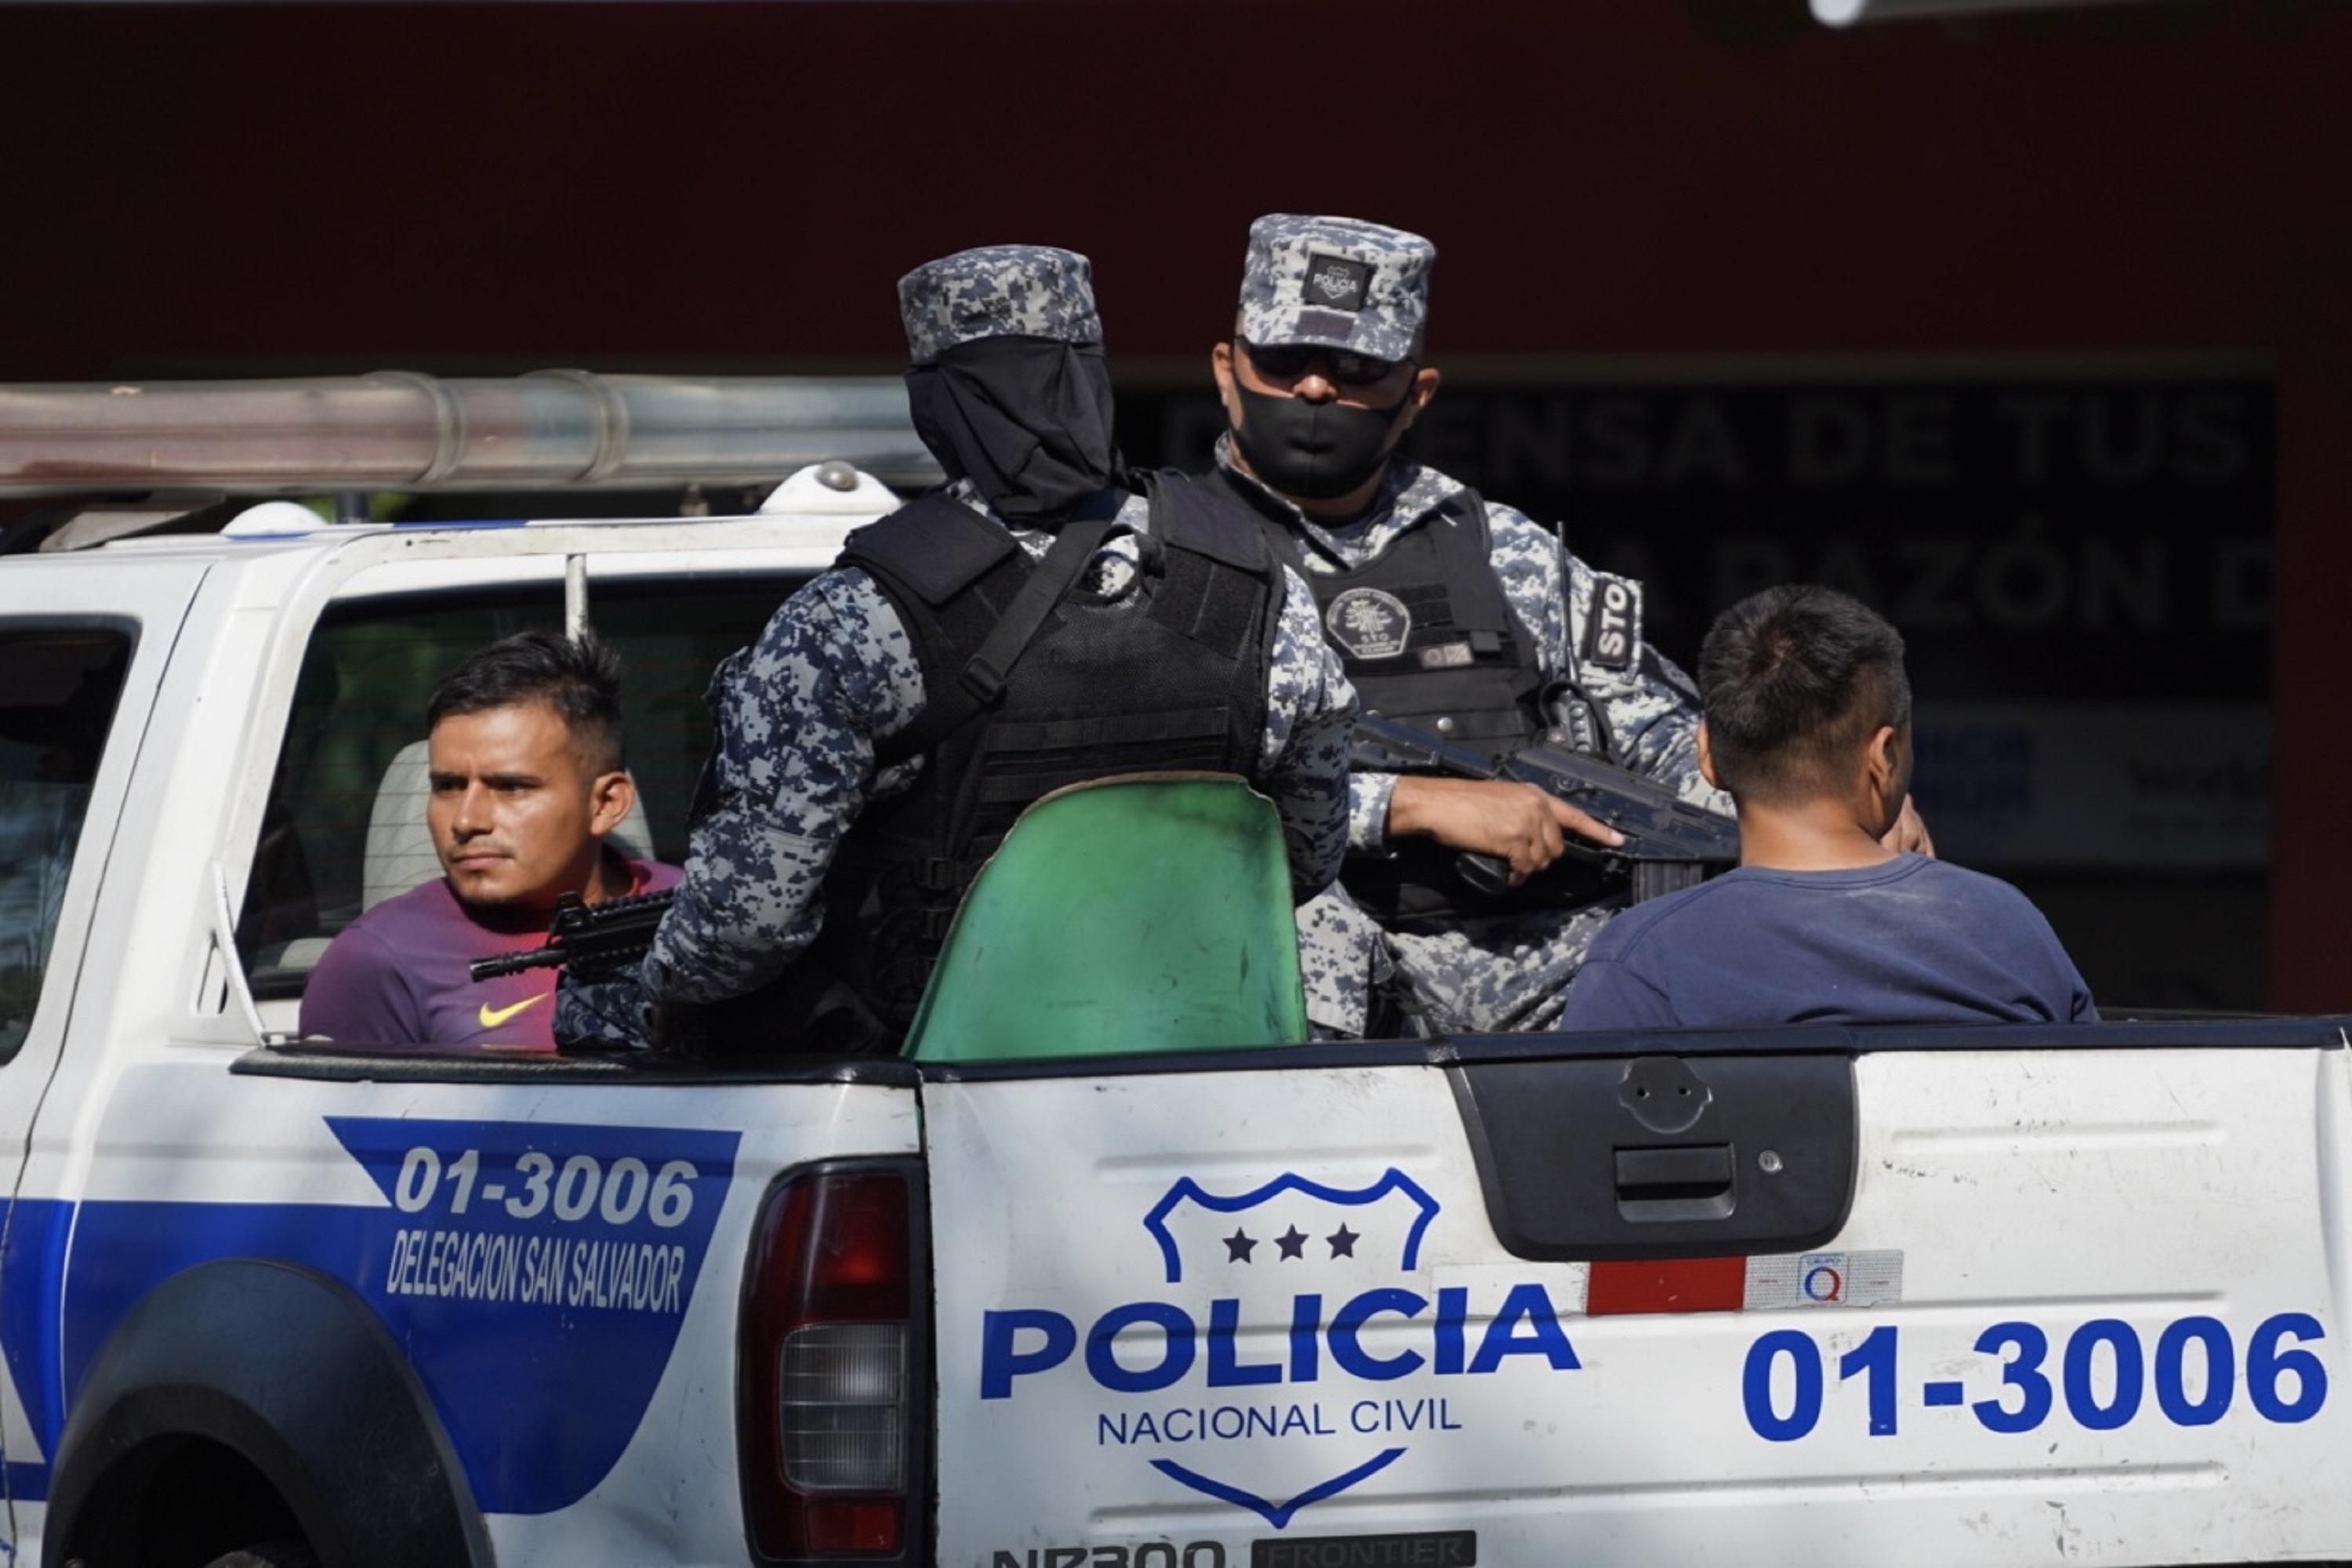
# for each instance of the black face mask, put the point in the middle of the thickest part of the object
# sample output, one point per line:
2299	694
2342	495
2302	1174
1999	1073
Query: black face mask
1027	420
1313	449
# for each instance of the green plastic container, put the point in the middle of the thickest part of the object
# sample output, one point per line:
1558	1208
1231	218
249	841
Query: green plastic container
1147	912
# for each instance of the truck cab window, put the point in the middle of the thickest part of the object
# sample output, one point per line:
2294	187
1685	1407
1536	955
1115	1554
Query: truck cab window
58	691
344	825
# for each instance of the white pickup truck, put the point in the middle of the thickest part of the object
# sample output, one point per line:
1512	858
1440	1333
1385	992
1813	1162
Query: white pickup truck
1970	1296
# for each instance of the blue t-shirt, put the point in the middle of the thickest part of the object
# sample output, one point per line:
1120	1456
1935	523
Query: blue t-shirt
1914	941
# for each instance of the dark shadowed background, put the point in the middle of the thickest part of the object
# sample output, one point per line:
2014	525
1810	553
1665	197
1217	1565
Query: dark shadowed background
2033	331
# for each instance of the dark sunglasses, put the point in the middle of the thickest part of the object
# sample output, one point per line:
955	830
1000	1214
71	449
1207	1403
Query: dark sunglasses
1288	361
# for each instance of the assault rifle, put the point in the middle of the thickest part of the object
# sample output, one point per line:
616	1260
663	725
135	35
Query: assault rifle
1670	844
597	941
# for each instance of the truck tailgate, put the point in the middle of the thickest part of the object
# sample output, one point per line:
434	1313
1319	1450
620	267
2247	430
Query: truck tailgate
1830	1305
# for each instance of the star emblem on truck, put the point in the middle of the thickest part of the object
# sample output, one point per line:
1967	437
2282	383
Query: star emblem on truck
1417	1208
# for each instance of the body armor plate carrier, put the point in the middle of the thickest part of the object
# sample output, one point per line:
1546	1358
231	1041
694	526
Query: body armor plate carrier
1171	676
1429	639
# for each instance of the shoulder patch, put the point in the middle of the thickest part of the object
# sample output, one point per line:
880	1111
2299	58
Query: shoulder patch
1612	624
935	546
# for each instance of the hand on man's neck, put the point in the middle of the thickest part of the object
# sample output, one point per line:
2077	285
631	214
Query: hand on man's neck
1818	835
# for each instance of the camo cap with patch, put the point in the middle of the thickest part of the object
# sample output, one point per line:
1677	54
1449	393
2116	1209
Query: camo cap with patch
998	291
1336	281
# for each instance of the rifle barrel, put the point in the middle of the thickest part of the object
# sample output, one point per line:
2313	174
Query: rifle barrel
490	968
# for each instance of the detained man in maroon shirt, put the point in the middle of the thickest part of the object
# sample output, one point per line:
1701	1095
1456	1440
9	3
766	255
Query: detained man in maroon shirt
526	779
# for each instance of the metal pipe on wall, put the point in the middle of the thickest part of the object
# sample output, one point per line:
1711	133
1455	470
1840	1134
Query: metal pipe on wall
1846	13
397	430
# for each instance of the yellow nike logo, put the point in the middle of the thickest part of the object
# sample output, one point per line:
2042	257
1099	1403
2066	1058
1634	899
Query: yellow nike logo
491	1020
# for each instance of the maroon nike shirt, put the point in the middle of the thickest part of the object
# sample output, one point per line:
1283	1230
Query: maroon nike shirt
396	976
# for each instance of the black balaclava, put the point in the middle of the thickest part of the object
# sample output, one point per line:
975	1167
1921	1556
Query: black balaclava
1027	420
1313	449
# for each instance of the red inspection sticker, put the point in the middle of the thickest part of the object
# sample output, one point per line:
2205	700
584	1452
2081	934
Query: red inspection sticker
1731	1284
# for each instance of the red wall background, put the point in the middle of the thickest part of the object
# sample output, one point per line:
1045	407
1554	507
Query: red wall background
208	190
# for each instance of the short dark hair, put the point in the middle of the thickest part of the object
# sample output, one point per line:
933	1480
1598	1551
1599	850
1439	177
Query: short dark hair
580	678
1794	681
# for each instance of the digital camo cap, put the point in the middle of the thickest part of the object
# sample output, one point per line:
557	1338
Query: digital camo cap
998	291
1336	281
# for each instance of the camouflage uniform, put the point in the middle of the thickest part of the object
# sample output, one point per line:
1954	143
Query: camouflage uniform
1501	973
1338	281
998	291
800	712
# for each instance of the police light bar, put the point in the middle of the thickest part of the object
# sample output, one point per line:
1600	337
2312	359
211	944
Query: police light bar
1846	13
396	430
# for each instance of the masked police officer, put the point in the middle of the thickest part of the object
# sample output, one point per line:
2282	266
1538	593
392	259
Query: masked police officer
1451	612
1042	620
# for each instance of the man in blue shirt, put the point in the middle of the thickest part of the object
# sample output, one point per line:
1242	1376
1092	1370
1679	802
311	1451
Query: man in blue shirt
1808	725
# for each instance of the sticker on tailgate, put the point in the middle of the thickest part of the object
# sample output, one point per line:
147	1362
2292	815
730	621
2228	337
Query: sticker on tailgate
1618	1287
1824	1279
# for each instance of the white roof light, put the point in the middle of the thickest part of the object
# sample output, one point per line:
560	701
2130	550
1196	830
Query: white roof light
830	489
274	520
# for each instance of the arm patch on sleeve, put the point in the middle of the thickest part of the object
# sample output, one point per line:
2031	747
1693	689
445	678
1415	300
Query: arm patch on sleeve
1612	623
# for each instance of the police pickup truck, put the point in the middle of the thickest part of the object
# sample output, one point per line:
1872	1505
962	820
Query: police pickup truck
1808	1296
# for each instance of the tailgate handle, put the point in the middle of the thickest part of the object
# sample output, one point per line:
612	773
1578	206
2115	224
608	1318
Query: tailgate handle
1746	1152
1677	1183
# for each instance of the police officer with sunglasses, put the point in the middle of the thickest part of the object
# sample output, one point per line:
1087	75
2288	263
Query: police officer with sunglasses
1450	612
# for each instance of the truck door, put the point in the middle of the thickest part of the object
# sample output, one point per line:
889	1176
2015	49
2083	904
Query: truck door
1991	1296
82	651
515	1281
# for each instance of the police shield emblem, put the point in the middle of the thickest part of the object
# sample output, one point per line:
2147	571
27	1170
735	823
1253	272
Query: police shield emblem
1367	623
1336	282
1290	1219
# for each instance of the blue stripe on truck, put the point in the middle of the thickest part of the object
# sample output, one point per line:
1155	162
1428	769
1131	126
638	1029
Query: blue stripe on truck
537	1274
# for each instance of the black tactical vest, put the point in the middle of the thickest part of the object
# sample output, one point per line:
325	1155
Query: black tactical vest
1171	676
1429	639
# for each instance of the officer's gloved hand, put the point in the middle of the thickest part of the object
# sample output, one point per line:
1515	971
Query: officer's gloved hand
612	1015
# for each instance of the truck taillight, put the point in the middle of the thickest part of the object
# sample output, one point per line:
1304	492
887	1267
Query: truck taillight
831	1378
